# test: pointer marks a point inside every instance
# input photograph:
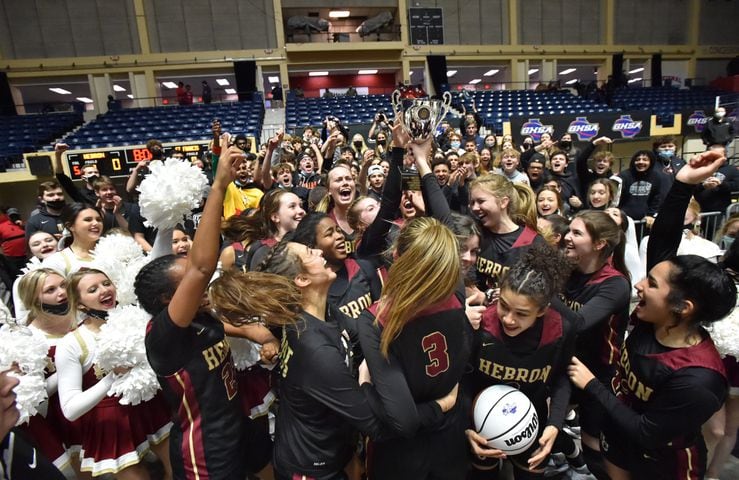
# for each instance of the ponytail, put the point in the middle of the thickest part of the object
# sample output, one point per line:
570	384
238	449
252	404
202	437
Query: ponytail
526	206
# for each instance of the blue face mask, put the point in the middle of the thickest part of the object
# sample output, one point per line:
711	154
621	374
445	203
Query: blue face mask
455	144
726	241
666	153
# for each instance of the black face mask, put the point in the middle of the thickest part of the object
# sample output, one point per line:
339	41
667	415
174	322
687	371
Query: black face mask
526	146
56	204
565	145
357	145
101	314
91	179
60	309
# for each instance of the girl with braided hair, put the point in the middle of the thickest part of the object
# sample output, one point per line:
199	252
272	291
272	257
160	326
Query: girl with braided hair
185	345
522	333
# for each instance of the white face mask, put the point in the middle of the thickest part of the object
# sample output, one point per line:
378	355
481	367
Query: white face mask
719	114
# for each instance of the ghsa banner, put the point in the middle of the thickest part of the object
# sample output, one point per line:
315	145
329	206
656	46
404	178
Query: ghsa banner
694	120
583	127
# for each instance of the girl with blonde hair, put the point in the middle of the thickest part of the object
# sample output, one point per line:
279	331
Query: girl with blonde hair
416	339
506	213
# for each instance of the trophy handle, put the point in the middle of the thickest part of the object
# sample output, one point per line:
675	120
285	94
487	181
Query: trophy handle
396	104
446	103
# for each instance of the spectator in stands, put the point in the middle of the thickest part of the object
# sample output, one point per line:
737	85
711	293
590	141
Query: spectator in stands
180	93
310	137
486	160
206	93
565	144
379	124
455	143
441	171
277	96
601	164
641	191
12	242
469	117
536	172
470	133
666	151
509	161
718	130
113	104
714	194
115	211
90	172
242	143
546	146
376	182
526	144
567	181
188	95
243	193
351	91
48	219
490	141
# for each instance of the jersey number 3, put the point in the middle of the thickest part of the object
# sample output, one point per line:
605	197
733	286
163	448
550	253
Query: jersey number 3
434	345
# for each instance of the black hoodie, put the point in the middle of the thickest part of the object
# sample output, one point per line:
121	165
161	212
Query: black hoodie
641	193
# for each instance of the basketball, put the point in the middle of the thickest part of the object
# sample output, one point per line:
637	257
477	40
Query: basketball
506	418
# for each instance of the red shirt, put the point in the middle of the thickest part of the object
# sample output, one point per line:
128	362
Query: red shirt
12	238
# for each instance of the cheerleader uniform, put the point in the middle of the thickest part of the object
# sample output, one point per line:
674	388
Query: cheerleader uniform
500	251
534	362
663	397
114	436
426	361
55	436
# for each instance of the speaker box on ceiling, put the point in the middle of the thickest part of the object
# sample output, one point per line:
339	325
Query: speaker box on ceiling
7	104
657	70
246	79
40	165
437	71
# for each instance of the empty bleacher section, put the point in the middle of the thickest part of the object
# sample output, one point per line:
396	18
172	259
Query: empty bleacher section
30	132
169	124
664	101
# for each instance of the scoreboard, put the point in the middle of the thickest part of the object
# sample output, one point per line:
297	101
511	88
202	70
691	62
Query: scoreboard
120	161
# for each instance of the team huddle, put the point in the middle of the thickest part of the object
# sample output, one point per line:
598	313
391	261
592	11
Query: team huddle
366	325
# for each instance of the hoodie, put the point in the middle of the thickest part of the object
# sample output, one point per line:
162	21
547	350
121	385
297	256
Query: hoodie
641	192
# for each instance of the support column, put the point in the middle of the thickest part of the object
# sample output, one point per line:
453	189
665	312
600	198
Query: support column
17	95
100	88
405	72
548	71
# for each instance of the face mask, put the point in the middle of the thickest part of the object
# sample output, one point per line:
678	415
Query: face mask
91	179
666	153
60	309
357	145
719	115
101	314
489	144
565	145
526	146
726	241
56	204
455	145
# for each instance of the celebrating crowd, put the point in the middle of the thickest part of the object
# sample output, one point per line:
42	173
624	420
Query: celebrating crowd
336	303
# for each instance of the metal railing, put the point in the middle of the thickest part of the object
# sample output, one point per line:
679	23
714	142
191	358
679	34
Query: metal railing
710	222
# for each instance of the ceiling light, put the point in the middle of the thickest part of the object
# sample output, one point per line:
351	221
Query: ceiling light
533	71
317	74
475	81
490	73
273	79
635	80
230	91
222	82
60	91
637	70
568	71
338	14
368	72
170	85
118	88
84	99
451	73
130	96
570	82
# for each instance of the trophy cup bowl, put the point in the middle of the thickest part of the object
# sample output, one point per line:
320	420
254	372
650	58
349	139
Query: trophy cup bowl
420	116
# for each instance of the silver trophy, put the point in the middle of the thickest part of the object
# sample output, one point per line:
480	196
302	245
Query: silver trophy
420	116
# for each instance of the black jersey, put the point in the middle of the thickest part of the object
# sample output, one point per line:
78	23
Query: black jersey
600	301
535	361
321	404
195	370
356	287
246	259
664	396
432	349
499	252
350	239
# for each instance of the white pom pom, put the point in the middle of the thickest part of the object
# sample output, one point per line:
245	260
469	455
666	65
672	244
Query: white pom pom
121	344
170	192
725	334
135	386
121	258
29	394
20	346
245	353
